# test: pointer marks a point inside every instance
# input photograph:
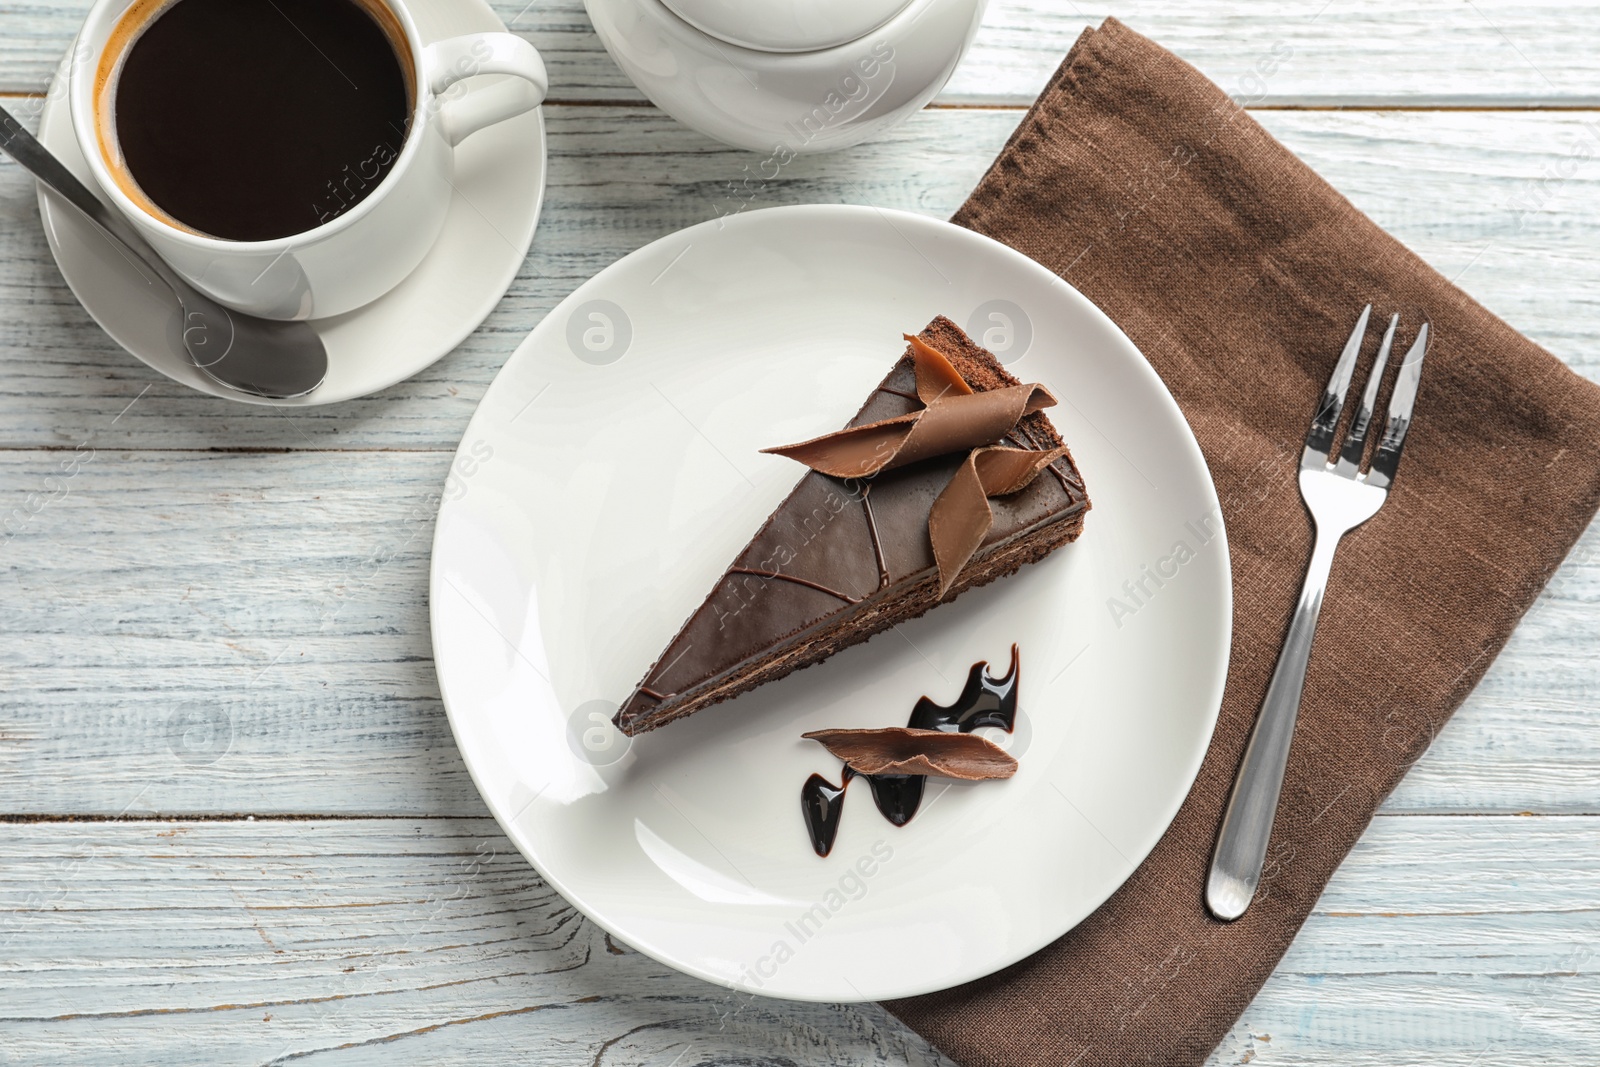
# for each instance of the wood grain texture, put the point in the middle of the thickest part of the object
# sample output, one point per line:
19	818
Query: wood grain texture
242	632
430	941
220	611
352	942
1302	52
1504	202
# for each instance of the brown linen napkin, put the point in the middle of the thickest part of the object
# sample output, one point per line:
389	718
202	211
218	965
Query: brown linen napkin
1239	273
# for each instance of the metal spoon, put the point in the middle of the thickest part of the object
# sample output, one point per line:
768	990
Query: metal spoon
262	357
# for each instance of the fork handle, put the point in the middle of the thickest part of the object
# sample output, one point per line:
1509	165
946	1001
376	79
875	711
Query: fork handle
1247	825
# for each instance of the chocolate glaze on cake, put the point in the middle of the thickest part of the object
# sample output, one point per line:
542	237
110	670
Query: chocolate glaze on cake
842	559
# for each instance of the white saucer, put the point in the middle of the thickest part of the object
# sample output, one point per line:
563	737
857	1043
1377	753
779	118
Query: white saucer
611	473
500	176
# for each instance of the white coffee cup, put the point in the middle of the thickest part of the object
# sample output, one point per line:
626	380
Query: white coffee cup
361	253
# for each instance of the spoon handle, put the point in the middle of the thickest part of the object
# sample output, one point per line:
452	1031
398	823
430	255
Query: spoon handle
23	147
262	357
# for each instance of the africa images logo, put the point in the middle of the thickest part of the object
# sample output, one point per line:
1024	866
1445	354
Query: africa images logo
1139	591
851	885
1003	328
599	332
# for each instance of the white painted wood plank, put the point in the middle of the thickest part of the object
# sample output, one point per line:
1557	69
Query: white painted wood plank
429	941
1313	52
352	942
244	632
1323	52
236	635
1445	941
1441	941
1505	202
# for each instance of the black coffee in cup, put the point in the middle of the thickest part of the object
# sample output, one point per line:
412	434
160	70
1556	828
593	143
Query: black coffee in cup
251	120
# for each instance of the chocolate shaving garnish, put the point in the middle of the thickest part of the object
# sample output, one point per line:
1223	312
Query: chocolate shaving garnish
961	517
902	750
953	418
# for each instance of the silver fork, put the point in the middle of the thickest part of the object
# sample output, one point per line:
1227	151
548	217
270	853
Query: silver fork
1340	497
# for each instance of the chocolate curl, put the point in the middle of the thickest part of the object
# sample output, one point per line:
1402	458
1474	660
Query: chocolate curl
937	377
954	418
902	750
961	516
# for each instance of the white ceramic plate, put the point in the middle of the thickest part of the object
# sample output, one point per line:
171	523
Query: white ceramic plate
500	174
611	473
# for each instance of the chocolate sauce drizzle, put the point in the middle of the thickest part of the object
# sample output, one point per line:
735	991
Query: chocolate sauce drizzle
877	542
780	576
1071	488
984	701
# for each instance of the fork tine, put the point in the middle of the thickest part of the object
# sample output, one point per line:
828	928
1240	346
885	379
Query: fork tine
1319	439
1386	460
1355	441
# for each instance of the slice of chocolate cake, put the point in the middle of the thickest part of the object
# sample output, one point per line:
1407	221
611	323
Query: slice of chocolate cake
947	478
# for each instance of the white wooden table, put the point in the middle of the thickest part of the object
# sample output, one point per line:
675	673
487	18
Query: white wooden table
235	827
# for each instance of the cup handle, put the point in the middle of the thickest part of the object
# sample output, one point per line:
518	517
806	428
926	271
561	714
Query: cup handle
446	62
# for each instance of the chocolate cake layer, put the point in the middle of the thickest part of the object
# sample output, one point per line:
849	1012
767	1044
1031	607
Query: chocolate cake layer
842	559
